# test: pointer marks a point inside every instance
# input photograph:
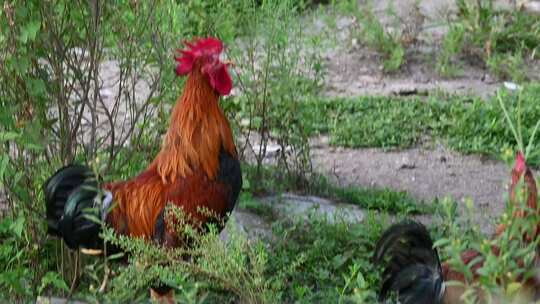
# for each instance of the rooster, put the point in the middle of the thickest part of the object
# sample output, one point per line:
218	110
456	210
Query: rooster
196	170
411	266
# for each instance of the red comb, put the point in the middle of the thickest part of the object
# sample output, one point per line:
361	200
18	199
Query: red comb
195	49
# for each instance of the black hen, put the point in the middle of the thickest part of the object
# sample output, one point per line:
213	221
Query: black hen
70	195
412	270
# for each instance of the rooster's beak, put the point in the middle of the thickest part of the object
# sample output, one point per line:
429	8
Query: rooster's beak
228	63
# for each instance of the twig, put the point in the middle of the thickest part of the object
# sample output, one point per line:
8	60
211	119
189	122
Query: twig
105	280
75	275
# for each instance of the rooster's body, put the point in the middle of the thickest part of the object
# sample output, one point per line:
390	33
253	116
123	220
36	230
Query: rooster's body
196	170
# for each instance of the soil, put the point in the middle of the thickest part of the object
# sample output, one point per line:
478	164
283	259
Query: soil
354	69
427	173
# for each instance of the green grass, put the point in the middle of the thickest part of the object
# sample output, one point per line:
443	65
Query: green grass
480	127
273	181
383	199
499	38
469	125
249	202
372	121
327	256
388	44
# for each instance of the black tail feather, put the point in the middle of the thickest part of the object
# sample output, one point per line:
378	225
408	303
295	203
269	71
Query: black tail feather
57	189
411	266
69	194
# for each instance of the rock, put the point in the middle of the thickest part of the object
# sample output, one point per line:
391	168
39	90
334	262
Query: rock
289	205
405	163
251	225
406	90
343	23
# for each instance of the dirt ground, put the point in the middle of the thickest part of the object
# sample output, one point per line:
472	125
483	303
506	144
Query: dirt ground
354	69
425	172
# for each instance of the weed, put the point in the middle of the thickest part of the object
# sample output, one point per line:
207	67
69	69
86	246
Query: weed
451	46
333	260
373	121
275	77
49	64
493	36
508	65
481	127
466	125
387	43
502	272
250	203
391	41
386	200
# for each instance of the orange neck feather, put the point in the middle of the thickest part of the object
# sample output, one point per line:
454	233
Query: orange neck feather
197	132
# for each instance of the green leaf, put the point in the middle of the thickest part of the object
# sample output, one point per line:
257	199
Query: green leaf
92	217
5	224
36	87
54	279
32	138
8	136
115	256
513	288
22	65
15	280
245	182
29	31
339	260
4	159
360	280
441	243
18	226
